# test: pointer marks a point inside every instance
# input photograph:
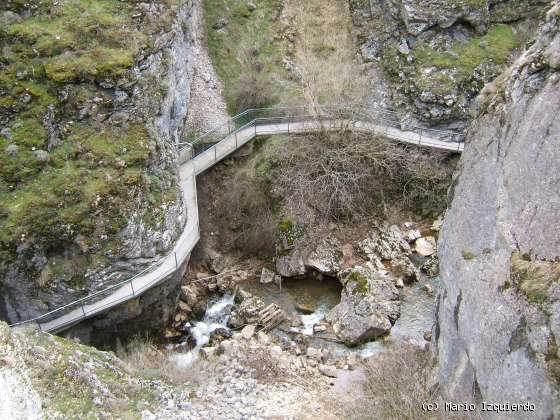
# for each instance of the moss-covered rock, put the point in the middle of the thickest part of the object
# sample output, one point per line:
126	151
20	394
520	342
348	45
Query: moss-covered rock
51	377
85	143
369	306
440	54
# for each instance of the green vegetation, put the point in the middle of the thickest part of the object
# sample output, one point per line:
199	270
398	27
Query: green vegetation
65	173
53	200
247	52
533	277
496	46
361	285
78	39
467	255
289	232
69	376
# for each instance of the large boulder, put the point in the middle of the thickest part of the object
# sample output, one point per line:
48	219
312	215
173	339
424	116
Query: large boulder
425	246
385	243
368	307
291	263
267	276
327	257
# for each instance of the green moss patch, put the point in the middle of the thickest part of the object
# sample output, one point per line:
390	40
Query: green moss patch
61	179
495	46
533	277
359	280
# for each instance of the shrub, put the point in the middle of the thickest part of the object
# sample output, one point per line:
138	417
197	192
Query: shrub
247	210
349	175
396	383
142	355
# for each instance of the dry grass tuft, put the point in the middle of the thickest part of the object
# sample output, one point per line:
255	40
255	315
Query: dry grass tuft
533	277
141	355
396	385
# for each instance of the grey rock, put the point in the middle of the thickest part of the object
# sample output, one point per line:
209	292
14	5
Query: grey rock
251	6
327	370
327	257
248	331
218	262
404	269
431	266
314	353
8	18
41	155
267	276
412	234
220	24
425	246
247	312
12	149
291	265
6	133
368	307
208	352
385	243
404	48
504	200
263	337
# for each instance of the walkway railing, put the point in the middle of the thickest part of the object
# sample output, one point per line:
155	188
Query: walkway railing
203	152
293	117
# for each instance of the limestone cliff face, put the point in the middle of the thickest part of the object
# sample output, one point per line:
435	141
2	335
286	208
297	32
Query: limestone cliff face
121	207
498	325
436	55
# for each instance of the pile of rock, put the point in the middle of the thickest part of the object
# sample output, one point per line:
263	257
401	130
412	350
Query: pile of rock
200	287
371	271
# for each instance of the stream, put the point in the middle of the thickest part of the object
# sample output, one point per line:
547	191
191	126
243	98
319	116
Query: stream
216	316
312	298
417	310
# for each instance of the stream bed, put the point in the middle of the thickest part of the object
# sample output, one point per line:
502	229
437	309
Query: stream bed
417	310
311	298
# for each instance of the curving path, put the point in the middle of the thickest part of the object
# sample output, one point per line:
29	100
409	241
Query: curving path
229	139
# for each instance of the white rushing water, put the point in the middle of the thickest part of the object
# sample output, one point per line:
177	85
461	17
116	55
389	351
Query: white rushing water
215	317
312	319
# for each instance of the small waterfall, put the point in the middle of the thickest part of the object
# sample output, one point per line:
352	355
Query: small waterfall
309	320
216	316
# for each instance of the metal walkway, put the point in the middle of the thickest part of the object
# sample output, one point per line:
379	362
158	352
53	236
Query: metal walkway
198	155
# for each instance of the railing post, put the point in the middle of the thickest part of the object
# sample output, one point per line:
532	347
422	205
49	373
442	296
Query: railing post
176	263
420	139
39	325
132	288
229	127
288	126
215	152
255	125
83	309
236	140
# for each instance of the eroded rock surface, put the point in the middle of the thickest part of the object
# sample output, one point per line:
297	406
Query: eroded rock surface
368	307
428	51
497	323
327	257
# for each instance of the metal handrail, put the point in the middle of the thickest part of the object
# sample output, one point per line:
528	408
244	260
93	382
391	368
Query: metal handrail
255	120
343	108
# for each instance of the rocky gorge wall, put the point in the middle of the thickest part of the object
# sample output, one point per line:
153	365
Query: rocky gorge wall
433	57
120	125
498	315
